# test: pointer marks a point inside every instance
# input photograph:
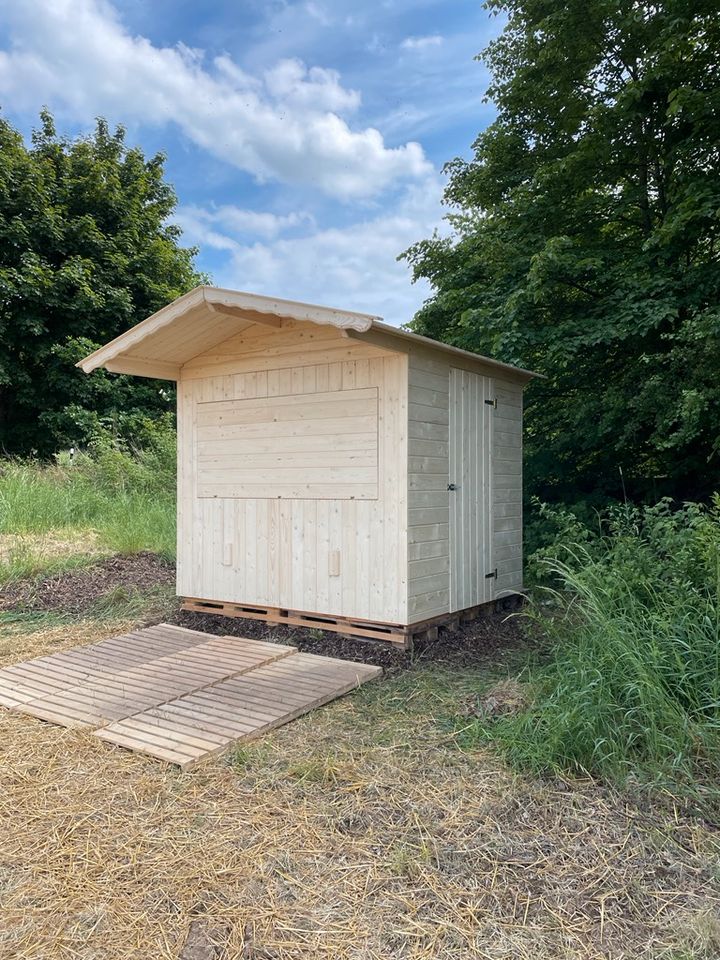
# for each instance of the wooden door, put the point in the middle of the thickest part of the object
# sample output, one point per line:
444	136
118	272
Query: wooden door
472	405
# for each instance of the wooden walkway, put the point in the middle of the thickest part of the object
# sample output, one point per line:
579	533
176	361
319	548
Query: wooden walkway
177	694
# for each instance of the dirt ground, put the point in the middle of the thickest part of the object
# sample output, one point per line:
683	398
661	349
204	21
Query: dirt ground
359	832
78	590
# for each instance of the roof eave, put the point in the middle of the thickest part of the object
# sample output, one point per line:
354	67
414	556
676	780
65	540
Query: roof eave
458	351
216	298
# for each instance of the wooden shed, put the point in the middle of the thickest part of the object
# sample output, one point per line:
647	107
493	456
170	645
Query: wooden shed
333	471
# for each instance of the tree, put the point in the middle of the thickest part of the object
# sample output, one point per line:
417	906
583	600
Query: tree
586	242
86	251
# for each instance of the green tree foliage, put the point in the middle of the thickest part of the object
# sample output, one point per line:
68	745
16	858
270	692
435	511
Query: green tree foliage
586	242
86	251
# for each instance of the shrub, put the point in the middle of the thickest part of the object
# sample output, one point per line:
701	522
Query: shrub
633	686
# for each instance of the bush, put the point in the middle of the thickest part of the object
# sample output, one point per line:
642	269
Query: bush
633	686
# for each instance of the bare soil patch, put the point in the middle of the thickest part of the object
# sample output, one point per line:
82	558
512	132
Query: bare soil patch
470	644
77	591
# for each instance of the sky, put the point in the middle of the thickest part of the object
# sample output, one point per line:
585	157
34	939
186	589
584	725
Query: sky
305	140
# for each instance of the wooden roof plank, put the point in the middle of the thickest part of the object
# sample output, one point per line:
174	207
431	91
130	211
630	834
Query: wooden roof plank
160	345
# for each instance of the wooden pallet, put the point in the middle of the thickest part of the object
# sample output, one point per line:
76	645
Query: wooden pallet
242	708
176	694
400	635
395	633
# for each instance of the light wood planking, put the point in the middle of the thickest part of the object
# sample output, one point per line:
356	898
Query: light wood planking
471	538
507	487
229	466
429	471
428	477
198	725
177	695
294	346
141	670
320	551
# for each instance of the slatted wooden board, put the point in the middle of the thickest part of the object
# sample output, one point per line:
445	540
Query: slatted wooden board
176	694
240	708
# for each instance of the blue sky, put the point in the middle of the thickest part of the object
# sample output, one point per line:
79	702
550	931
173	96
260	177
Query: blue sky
305	139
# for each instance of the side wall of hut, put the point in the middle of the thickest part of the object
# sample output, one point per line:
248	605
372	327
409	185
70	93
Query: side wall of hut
429	416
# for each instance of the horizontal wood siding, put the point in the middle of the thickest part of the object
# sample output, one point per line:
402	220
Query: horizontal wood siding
293	346
336	556
428	504
319	446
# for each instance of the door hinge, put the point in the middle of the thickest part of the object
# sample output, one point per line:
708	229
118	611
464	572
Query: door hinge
492	403
490	576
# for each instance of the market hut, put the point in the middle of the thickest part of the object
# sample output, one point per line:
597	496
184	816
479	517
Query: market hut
333	471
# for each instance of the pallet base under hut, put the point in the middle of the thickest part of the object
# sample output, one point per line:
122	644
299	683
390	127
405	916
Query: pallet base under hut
400	635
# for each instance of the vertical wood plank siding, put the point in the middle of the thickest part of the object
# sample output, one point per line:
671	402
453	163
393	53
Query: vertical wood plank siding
507	467
428	477
334	556
429	557
471	527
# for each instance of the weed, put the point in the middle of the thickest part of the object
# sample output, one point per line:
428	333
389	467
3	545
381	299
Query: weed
122	499
123	602
245	757
633	688
408	860
699	937
316	770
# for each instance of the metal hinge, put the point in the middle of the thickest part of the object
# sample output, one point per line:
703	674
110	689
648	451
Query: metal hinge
492	403
490	576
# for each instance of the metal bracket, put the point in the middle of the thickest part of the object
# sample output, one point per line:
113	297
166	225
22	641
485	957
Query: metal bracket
490	576
492	403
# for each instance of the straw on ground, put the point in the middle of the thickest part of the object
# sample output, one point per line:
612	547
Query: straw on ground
358	832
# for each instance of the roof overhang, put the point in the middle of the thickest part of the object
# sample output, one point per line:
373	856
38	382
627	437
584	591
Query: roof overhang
200	320
207	316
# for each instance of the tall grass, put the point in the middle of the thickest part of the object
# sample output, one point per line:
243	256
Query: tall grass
633	686
127	497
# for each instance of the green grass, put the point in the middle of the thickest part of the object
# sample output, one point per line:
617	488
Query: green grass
29	558
121	603
124	500
632	690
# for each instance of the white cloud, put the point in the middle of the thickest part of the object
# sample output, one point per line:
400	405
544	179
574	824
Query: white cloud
421	43
318	13
207	224
291	83
286	124
354	267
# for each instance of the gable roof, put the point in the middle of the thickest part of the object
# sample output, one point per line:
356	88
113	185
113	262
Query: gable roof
207	316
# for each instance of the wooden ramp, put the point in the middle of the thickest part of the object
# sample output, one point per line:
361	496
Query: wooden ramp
177	694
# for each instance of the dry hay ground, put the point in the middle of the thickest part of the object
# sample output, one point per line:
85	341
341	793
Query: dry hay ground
49	546
359	831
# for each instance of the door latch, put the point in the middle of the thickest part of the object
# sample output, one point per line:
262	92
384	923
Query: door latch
491	576
452	486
